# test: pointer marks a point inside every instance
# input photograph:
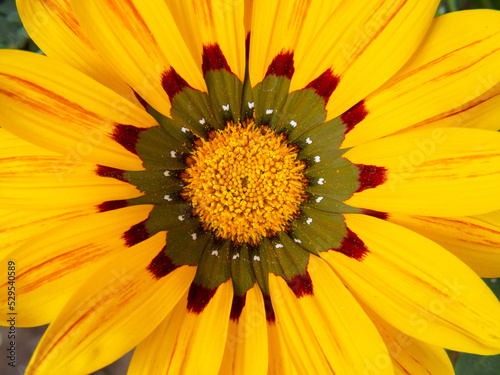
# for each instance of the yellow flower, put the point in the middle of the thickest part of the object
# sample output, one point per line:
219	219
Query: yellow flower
252	187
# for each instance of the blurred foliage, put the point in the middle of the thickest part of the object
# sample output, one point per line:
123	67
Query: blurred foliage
13	35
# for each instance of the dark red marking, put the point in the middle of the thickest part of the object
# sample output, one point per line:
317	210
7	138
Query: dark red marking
268	306
137	233
213	59
325	84
104	171
237	307
282	65
199	297
352	246
127	136
370	176
247	46
173	83
112	205
141	100
377	214
301	285
161	265
354	116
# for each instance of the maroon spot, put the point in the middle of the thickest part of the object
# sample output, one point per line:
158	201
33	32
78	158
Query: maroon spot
247	46
352	246
282	65
370	176
268	306
127	136
325	84
377	214
103	171
173	83
112	205
301	285
137	233
237	307
161	265
354	116
213	59
199	297
141	100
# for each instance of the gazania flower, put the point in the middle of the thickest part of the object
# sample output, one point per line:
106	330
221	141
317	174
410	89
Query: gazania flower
252	187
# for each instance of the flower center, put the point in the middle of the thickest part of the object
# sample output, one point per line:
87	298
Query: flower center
245	182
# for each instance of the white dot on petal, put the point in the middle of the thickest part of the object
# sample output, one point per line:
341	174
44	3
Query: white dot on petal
309	140
321	181
236	256
166	173
167	198
184	129
269	111
181	217
215	253
202	121
309	221
251	104
279	246
297	240
225	107
293	123
317	159
194	236
319	199
173	154
256	258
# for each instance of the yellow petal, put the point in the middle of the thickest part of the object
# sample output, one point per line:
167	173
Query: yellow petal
440	172
100	322
54	106
187	342
51	183
280	26
53	264
318	328
49	20
141	42
246	351
280	360
456	63
419	287
409	355
381	35
207	22
475	240
18	227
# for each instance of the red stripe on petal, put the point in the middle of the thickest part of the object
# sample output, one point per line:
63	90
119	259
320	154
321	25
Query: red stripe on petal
301	285
199	297
268	306
237	307
377	214
213	59
137	233
352	246
325	84
354	116
127	136
282	65
103	171
112	205
370	176
161	265
173	83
